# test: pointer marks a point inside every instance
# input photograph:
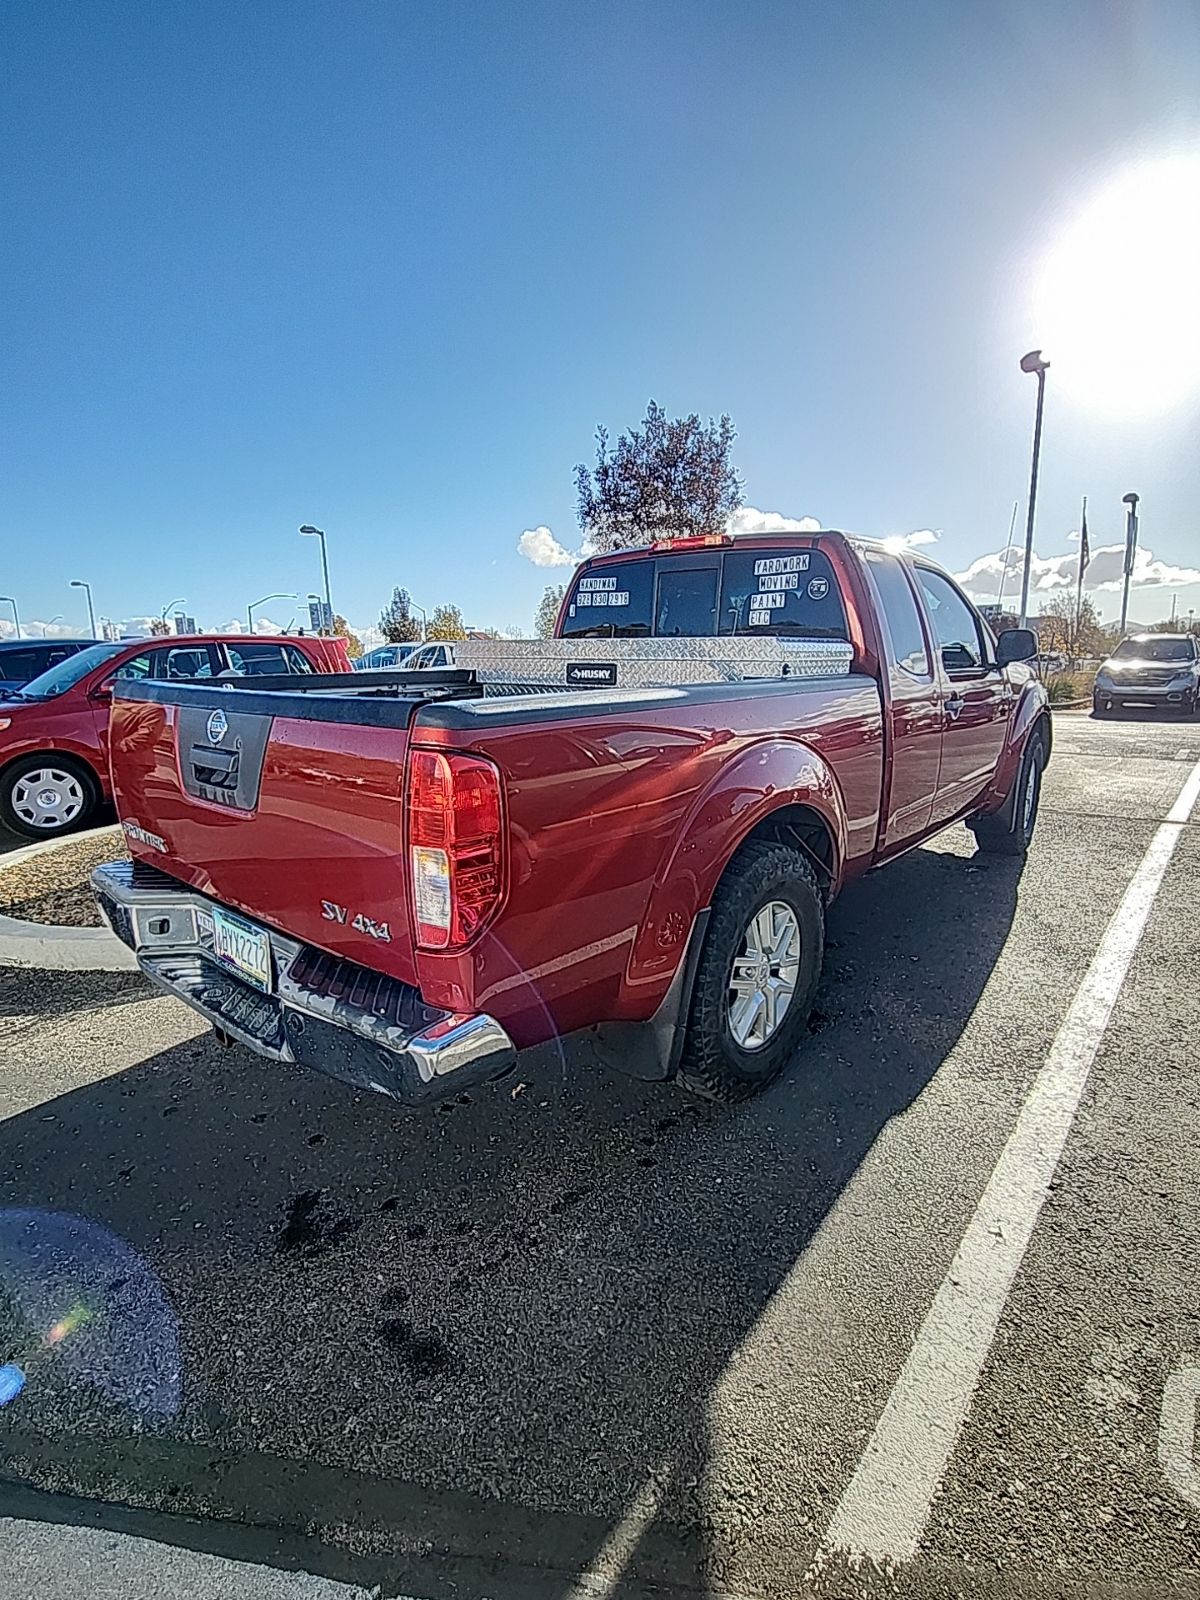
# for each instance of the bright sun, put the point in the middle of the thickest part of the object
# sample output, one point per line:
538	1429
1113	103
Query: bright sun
1117	306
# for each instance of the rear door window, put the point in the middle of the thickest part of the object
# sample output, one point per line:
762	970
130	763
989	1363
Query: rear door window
900	613
686	606
785	594
615	601
22	664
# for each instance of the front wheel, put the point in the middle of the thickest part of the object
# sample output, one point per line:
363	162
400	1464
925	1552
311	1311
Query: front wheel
48	795
758	973
1009	832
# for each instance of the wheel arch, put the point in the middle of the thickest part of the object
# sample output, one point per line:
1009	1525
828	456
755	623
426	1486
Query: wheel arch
777	789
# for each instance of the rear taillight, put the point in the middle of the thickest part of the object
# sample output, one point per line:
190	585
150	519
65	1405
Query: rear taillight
455	846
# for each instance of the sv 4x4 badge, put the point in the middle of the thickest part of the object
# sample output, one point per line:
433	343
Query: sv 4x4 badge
360	924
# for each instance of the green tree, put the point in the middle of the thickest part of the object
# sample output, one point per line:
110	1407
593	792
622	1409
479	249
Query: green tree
446	623
159	627
396	621
341	630
671	476
547	611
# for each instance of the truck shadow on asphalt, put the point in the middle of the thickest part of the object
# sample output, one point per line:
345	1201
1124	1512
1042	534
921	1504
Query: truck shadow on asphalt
479	1346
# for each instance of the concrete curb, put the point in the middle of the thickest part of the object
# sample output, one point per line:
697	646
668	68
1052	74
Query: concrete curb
51	946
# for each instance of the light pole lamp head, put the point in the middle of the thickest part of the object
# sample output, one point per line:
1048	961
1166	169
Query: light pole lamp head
78	583
310	532
1033	362
1130	500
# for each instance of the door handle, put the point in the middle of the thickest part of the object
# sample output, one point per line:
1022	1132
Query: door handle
953	704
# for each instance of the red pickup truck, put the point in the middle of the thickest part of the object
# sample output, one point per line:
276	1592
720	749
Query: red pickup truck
54	729
402	880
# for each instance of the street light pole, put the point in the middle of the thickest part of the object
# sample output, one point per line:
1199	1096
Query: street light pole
9	601
78	583
1032	363
1130	502
46	626
424	619
261	601
310	532
182	601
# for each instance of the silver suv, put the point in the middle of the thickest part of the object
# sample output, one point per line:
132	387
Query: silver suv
1150	669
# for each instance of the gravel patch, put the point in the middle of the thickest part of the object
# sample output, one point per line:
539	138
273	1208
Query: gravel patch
53	887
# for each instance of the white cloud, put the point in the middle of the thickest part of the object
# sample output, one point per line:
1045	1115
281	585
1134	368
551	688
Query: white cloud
1105	571
541	547
35	628
910	541
749	519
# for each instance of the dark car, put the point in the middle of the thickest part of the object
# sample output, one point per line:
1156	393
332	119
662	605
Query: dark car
23	660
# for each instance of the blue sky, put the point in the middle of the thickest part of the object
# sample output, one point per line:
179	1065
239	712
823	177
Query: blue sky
384	267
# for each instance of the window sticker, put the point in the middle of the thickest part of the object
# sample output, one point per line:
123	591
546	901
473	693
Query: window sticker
769	566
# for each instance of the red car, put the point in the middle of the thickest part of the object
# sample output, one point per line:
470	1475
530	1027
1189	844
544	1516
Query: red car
54	731
629	833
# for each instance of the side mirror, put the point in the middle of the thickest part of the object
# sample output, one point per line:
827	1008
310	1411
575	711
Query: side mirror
1015	644
103	692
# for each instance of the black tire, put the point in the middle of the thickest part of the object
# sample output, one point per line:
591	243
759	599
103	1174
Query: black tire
1009	831
1100	709
713	1064
53	761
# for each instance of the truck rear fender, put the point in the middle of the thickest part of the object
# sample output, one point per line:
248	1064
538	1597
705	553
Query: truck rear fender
1032	713
764	781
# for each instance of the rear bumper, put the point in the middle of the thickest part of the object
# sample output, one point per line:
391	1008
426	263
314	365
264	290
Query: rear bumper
326	1013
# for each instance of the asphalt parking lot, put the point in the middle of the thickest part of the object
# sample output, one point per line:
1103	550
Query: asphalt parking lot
575	1335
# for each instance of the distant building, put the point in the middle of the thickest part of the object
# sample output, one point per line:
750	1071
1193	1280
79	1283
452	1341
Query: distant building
184	624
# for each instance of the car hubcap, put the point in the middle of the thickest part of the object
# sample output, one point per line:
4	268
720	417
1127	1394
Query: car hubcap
47	799
762	981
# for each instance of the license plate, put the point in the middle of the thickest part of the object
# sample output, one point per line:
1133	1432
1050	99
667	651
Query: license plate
243	949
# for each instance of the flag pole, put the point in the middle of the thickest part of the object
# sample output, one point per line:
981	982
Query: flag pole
1084	558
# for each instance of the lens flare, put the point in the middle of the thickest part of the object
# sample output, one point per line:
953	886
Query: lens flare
1116	304
82	1313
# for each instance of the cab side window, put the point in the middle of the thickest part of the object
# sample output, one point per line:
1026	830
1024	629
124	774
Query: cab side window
955	626
901	614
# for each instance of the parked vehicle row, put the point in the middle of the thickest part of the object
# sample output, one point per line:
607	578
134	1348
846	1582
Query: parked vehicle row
403	885
54	767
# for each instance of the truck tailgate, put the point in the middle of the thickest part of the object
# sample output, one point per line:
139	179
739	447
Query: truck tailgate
296	821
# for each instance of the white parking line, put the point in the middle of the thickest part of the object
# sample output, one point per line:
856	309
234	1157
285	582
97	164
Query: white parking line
885	1507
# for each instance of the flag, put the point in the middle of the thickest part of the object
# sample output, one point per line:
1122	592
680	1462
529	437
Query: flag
1085	554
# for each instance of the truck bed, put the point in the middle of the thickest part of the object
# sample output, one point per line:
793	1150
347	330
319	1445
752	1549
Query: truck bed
601	788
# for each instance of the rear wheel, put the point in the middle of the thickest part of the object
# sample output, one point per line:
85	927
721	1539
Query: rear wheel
44	796
1010	831
758	973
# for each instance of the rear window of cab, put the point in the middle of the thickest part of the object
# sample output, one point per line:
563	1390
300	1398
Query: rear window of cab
779	594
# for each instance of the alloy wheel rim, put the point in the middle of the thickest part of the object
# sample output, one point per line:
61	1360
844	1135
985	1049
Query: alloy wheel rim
1030	798
763	975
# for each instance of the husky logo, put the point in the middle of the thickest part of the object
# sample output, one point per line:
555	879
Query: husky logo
217	727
